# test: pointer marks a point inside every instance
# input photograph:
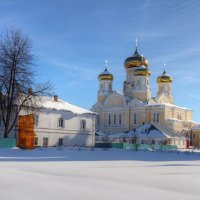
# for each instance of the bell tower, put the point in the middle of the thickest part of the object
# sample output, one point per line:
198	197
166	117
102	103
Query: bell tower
105	84
137	77
164	93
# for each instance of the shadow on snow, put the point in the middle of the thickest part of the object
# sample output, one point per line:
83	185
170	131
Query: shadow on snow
87	154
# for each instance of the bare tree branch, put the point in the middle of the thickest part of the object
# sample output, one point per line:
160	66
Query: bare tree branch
18	90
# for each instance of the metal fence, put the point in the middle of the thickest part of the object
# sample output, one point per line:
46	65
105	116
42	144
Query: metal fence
136	146
8	142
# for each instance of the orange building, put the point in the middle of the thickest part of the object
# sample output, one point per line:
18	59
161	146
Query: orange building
26	134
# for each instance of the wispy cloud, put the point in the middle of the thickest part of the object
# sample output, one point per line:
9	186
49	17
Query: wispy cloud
195	97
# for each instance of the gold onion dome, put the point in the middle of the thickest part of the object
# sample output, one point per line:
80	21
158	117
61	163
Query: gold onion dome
105	75
136	60
142	71
164	78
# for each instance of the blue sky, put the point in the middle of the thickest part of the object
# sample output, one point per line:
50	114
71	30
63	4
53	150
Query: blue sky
72	39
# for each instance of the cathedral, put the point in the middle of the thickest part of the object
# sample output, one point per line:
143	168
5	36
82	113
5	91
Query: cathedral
122	112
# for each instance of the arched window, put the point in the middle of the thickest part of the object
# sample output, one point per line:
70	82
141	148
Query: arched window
120	119
179	117
83	124
114	118
109	119
61	123
134	118
156	117
97	119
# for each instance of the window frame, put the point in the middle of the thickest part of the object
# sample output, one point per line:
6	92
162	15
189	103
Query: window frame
60	141
45	141
134	118
83	124
61	123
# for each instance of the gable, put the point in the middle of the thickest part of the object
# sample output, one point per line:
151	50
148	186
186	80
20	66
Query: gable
163	99
135	102
115	100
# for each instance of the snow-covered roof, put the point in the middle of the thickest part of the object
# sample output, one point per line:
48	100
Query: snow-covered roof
100	133
152	130
50	103
118	135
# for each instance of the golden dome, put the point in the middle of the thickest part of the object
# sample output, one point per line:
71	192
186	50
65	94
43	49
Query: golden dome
142	71
105	75
164	78
136	60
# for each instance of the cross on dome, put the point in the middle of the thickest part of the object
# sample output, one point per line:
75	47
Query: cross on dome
106	64
136	42
164	67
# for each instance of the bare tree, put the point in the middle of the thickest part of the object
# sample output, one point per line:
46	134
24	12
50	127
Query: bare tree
18	89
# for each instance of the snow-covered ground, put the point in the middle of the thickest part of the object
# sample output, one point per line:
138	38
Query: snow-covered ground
50	174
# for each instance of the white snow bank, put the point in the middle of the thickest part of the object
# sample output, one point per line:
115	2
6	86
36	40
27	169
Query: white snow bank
51	174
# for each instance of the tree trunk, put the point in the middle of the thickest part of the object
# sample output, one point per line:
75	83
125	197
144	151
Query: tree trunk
6	133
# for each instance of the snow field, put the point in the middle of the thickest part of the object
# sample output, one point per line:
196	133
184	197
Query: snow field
113	174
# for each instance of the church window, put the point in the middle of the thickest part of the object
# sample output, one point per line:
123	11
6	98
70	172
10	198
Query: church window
156	117
147	82
120	119
134	118
179	117
83	124
61	123
114	118
109	119
97	119
193	135
138	82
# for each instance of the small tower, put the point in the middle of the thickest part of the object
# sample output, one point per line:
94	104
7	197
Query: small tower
142	88
105	85
164	93
137	77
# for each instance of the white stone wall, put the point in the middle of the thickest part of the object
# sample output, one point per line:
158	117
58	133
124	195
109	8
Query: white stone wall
71	132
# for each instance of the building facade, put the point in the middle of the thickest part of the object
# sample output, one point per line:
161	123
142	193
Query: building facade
58	123
121	112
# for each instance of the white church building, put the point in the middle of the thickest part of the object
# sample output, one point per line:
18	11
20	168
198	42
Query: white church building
122	112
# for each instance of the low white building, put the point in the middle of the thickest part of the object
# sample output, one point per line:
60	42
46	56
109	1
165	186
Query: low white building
153	133
59	123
